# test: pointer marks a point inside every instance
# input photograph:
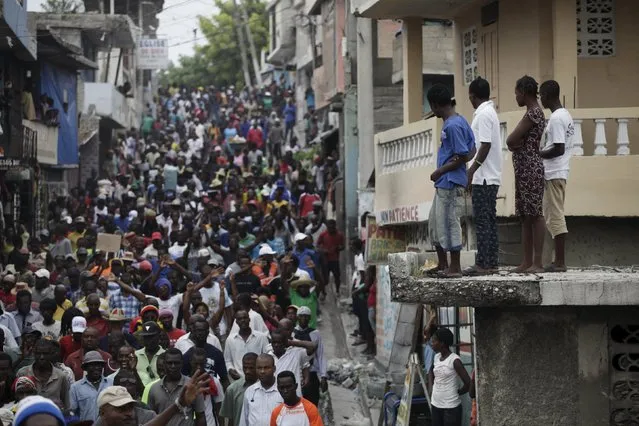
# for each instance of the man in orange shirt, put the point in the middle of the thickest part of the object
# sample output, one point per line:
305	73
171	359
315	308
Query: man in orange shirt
294	411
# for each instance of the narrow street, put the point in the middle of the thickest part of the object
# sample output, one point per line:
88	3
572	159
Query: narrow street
345	402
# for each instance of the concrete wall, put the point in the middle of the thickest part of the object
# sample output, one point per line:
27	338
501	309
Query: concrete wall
89	158
438	47
611	82
545	366
389	107
525	45
590	241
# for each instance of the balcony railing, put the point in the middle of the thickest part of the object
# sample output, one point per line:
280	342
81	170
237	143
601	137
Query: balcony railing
604	163
46	147
109	103
29	144
414	149
599	125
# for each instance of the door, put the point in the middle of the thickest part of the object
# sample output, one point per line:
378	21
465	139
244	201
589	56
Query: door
489	60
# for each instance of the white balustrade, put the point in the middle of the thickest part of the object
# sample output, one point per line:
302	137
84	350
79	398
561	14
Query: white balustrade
600	137
503	133
407	152
625	120
578	139
623	141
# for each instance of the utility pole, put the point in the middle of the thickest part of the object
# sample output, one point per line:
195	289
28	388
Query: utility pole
256	64
240	39
194	38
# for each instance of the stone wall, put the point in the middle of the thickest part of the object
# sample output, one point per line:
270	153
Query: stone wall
588	243
389	107
552	366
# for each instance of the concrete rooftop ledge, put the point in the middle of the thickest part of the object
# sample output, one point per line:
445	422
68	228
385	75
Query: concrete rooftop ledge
579	287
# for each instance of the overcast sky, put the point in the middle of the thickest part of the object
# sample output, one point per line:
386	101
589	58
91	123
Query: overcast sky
177	22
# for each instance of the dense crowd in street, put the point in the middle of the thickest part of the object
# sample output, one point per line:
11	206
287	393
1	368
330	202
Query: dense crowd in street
182	284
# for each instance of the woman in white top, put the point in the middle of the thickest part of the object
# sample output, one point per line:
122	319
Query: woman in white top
447	368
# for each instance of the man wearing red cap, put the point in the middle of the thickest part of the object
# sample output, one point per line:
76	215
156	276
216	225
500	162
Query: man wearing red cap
151	252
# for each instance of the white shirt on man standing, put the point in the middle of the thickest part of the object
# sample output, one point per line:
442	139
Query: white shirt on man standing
486	129
559	130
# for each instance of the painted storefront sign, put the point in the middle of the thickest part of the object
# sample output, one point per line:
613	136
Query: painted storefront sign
381	241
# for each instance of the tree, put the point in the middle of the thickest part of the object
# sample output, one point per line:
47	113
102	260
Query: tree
219	62
62	6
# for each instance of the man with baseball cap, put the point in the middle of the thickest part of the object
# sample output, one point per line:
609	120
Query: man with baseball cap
73	342
148	355
117	408
84	393
43	290
318	373
151	252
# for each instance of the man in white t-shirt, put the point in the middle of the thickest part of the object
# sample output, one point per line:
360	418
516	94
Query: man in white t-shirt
559	139
484	177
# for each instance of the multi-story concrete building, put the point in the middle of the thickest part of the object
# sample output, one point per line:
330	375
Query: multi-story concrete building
580	323
110	93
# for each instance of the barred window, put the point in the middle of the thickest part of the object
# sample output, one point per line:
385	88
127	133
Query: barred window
595	28
469	51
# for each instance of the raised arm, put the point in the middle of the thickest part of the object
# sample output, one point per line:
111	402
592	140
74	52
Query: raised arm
217	315
127	288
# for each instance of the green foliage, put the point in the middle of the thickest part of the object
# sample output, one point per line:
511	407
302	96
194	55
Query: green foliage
62	6
219	61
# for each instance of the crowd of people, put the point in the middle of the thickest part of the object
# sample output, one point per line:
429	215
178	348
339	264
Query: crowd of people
182	284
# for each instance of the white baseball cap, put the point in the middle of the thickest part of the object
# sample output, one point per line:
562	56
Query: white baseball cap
78	324
43	273
203	253
304	310
300	237
265	250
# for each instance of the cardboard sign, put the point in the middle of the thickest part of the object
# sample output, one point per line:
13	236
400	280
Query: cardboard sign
109	243
382	241
403	412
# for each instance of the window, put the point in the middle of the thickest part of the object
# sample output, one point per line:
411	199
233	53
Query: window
469	49
595	28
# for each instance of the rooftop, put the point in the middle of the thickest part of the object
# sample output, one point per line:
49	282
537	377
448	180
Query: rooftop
596	286
103	30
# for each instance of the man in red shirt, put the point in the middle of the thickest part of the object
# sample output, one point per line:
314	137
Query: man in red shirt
331	242
307	199
90	339
166	318
94	316
255	136
73	342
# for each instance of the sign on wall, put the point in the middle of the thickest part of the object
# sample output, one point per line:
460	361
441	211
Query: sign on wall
381	241
403	214
153	53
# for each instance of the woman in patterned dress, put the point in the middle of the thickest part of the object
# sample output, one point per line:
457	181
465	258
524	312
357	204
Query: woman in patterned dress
529	174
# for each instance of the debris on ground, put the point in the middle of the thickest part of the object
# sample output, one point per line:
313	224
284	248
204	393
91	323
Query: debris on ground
356	420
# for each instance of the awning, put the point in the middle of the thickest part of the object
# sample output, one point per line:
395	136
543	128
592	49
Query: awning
53	49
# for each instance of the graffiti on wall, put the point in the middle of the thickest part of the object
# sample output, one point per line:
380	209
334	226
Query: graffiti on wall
387	315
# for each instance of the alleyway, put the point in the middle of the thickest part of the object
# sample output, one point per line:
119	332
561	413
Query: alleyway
346	405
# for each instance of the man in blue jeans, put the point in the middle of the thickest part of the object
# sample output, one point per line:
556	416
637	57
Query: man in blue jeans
457	147
289	118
